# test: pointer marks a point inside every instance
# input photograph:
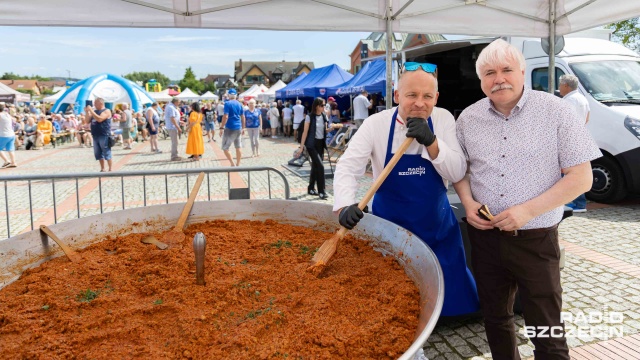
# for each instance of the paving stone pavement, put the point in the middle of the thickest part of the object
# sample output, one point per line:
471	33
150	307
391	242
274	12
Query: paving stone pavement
590	282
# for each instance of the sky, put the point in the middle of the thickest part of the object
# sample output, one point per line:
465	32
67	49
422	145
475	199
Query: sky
56	51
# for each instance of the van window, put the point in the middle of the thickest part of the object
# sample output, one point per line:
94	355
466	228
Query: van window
540	78
610	80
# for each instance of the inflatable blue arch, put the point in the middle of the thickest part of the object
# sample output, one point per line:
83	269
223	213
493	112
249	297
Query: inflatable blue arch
87	85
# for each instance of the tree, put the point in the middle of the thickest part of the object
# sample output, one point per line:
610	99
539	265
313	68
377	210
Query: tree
210	86
627	32
190	81
144	77
12	76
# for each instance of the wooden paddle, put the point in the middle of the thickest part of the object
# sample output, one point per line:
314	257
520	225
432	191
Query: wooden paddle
150	239
72	255
176	236
328	248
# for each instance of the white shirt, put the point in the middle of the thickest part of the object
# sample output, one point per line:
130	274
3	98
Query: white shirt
6	126
298	113
220	109
371	142
579	102
361	107
286	113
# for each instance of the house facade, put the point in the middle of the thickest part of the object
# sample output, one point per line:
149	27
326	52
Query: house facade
21	85
376	44
250	73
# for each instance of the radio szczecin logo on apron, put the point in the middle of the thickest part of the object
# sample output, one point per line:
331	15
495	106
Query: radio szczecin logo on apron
420	170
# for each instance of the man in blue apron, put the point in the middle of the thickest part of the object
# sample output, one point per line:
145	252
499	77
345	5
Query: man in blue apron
414	195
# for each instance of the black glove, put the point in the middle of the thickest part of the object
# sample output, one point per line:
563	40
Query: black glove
350	215
418	128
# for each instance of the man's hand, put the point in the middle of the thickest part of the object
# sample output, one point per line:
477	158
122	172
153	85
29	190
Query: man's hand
418	128
88	110
221	131
179	130
351	215
471	208
513	218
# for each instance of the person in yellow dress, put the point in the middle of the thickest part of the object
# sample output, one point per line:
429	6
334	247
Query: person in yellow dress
195	143
45	128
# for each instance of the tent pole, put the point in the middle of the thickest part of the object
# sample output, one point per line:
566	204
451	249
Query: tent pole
388	97
552	47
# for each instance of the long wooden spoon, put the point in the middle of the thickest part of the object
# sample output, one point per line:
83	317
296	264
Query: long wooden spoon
72	255
176	236
328	248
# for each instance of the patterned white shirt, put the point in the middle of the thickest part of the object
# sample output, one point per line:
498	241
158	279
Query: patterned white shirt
517	158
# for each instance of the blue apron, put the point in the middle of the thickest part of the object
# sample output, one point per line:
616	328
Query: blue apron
414	197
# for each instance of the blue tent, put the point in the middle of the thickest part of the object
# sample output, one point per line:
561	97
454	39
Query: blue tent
372	78
316	83
112	88
280	93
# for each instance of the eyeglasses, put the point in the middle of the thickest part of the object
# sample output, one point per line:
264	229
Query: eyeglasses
413	66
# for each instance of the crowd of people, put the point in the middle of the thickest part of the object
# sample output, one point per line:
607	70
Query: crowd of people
32	126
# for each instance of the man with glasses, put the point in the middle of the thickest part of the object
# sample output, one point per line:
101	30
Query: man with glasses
414	195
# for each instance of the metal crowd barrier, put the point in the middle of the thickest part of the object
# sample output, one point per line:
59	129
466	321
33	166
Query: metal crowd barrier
14	187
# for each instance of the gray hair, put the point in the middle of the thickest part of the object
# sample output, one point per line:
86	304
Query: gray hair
98	99
231	96
570	80
499	52
252	101
298	102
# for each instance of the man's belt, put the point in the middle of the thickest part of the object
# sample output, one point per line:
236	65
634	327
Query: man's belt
525	232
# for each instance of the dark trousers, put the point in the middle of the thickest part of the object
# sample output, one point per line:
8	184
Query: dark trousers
316	153
530	262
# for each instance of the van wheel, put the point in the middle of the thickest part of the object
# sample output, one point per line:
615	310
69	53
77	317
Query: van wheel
608	181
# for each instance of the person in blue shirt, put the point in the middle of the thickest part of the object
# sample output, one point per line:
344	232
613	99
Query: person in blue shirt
253	118
232	127
100	119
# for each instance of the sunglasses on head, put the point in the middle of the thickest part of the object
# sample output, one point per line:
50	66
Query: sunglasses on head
413	66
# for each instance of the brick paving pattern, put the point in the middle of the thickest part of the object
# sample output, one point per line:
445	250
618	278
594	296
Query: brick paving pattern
602	271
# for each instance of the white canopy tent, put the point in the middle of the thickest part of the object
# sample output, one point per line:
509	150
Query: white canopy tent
209	96
53	98
254	91
7	94
270	95
248	91
539	18
162	96
187	94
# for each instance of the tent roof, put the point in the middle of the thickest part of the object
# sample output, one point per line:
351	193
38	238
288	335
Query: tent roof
372	77
248	91
209	96
481	17
277	86
254	91
4	89
291	85
317	81
54	97
161	96
187	94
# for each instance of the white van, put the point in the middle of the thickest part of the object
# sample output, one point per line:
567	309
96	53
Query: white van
609	77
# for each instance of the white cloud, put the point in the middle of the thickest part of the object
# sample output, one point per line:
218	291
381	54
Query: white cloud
172	38
78	43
